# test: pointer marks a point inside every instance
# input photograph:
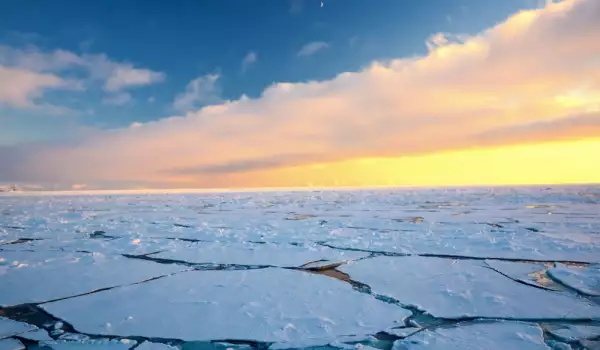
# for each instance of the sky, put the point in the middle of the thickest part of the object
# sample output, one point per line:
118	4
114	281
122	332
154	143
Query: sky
290	93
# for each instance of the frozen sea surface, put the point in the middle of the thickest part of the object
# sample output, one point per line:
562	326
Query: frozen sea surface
382	269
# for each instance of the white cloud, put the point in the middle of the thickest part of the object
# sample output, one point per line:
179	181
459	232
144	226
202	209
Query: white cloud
534	77
117	75
200	91
249	59
312	48
124	76
118	99
18	87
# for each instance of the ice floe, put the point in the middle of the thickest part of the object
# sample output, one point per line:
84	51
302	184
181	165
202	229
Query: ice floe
271	305
489	336
585	280
464	288
9	327
63	274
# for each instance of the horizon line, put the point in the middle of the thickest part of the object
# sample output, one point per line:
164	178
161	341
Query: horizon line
282	189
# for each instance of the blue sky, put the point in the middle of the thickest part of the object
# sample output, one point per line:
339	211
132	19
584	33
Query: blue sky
224	93
187	39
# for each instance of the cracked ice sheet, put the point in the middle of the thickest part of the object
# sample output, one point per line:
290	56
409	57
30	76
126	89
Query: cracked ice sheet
570	333
256	254
11	344
271	305
467	240
133	244
489	336
523	272
464	288
64	274
585	280
90	345
155	346
9	327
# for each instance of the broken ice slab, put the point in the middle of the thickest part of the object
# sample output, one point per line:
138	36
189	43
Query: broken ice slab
585	280
256	254
528	273
466	240
570	333
464	288
403	332
338	342
37	335
91	345
489	336
556	345
8	327
155	346
270	305
11	344
65	274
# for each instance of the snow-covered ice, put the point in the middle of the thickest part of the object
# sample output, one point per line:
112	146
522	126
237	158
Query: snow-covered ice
220	270
585	280
9	327
464	288
262	305
257	254
11	344
32	277
570	333
155	346
95	345
488	336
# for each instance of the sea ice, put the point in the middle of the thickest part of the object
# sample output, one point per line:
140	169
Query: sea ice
94	345
569	333
271	305
11	344
585	280
34	277
529	273
9	327
489	336
463	288
256	254
155	346
36	335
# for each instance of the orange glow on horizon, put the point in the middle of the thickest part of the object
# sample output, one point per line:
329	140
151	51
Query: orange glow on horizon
572	162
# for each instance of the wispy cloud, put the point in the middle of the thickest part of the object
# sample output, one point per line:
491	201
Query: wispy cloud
249	59
118	99
18	87
33	70
296	6
200	91
312	48
532	78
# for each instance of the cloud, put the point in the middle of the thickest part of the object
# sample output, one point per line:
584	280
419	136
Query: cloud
249	59
118	99
312	48
296	6
34	70
18	87
533	78
200	91
124	76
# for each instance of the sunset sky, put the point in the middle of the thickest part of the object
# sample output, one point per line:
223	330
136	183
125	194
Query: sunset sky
289	93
